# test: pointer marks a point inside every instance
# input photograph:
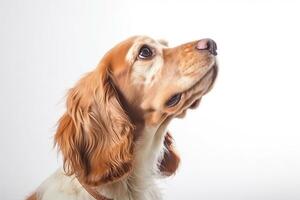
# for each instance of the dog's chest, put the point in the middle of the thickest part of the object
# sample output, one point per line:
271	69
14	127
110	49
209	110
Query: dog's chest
141	183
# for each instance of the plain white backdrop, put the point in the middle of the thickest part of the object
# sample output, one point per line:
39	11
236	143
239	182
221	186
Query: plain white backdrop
242	143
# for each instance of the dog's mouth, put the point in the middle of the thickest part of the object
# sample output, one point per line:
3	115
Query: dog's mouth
194	101
214	71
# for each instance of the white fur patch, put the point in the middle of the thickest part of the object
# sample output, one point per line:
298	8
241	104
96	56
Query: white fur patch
144	71
61	187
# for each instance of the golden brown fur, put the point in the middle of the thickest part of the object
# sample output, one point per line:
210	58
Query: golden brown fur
94	135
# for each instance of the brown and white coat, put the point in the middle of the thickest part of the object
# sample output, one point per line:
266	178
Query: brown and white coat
113	135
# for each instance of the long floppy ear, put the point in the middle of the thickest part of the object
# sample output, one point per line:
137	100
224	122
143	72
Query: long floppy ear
95	134
171	160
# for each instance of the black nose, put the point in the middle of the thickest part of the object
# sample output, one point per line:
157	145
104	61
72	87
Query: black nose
207	44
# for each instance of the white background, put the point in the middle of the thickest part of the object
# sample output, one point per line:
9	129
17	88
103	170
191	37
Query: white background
243	142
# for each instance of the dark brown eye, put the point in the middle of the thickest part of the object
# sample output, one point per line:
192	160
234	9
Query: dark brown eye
174	100
145	52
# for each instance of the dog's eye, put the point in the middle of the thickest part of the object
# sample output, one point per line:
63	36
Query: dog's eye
145	52
174	100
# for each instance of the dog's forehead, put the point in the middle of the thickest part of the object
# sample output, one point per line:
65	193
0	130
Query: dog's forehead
143	40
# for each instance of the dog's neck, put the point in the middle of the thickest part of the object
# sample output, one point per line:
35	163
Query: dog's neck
140	183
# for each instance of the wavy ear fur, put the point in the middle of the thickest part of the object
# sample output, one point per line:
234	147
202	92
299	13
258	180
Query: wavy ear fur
171	160
95	134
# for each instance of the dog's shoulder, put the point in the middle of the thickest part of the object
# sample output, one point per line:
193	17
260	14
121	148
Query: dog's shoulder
59	186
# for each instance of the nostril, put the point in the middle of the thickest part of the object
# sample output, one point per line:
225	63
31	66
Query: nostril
207	44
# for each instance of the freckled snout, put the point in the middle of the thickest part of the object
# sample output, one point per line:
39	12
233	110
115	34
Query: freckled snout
207	44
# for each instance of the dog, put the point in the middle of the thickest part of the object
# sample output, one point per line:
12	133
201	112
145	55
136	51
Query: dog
113	135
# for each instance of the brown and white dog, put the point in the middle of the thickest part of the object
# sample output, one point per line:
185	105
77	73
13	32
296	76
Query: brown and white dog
113	136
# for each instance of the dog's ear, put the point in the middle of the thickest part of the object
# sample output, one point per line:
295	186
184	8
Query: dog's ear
163	42
170	160
95	134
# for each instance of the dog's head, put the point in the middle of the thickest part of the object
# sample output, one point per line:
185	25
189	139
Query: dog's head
140	82
159	81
